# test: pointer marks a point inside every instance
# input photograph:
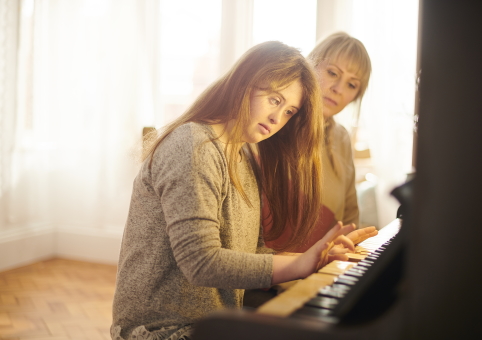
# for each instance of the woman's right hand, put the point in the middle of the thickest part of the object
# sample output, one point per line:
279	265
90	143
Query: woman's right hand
287	268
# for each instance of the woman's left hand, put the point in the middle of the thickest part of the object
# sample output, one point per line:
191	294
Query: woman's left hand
345	244
360	235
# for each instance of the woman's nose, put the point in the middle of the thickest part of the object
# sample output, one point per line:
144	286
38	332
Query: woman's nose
335	87
274	117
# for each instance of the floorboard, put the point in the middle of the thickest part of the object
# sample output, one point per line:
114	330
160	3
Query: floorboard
57	299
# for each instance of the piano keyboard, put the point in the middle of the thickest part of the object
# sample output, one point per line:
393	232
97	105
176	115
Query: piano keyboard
318	295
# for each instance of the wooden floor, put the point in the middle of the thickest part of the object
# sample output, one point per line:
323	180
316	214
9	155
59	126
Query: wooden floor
56	299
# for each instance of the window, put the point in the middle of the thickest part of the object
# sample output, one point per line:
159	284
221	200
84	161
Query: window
293	23
189	53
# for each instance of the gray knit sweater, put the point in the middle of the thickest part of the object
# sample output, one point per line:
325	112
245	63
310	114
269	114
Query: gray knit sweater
191	243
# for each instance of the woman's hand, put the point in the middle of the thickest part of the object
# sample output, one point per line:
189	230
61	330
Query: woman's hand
338	252
287	268
360	235
343	245
334	237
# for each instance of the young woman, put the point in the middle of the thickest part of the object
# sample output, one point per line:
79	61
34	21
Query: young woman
192	242
343	68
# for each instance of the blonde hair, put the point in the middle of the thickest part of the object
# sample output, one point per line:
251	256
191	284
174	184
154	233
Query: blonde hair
343	46
289	161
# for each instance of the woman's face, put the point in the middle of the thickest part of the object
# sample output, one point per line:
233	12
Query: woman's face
339	86
270	111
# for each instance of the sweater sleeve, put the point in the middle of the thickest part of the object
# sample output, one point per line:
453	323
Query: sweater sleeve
190	176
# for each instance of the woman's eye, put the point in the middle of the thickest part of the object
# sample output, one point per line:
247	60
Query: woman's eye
352	86
275	101
290	113
331	73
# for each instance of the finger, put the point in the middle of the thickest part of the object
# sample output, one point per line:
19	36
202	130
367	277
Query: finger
373	233
337	230
346	242
326	243
366	233
367	230
324	255
333	233
349	228
353	226
339	257
338	250
361	235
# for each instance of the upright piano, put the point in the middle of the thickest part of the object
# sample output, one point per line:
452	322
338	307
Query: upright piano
428	285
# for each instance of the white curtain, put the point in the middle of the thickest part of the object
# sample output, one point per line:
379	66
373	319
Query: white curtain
388	29
90	76
8	85
86	83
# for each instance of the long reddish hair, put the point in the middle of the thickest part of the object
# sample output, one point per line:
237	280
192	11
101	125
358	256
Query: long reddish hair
289	161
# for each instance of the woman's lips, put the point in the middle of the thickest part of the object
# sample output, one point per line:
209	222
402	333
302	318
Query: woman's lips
330	101
264	129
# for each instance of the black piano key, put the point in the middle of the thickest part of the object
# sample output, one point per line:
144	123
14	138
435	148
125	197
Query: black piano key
354	274
346	282
373	255
348	277
333	293
357	272
364	264
335	286
366	261
357	269
314	313
322	302
339	286
335	290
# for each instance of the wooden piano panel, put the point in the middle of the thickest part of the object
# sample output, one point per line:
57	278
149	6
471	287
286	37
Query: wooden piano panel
295	297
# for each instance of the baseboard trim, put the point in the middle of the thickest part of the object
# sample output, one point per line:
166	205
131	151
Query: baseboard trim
88	244
23	246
